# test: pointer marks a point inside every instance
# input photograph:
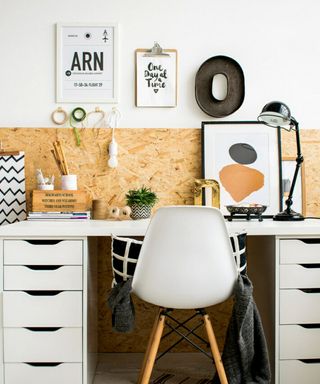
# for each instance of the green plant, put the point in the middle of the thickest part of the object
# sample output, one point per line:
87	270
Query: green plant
141	196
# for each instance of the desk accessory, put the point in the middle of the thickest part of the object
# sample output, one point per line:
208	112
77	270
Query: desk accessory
277	115
99	209
12	187
248	211
77	115
141	201
44	183
200	186
120	213
59	201
59	111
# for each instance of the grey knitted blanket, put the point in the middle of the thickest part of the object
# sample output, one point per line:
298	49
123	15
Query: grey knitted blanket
245	355
122	308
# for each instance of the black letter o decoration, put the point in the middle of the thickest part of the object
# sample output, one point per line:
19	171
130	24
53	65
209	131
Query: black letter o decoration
235	82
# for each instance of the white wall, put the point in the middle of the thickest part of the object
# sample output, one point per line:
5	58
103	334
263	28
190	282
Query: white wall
275	42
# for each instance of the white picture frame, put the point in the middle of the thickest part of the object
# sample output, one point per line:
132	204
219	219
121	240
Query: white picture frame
87	63
288	165
156	79
263	174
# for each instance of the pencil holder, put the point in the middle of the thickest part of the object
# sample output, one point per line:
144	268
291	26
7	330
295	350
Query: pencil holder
69	182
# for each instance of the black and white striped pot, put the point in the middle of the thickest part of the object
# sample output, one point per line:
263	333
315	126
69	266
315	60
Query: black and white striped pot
140	211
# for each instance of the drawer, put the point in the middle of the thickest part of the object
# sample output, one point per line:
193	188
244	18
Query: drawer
42	345
299	276
298	342
299	307
42	309
299	372
67	373
42	277
39	252
300	251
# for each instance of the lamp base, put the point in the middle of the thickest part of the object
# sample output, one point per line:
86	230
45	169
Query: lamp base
288	216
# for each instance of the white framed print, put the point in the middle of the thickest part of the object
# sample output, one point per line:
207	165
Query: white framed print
87	63
156	78
244	157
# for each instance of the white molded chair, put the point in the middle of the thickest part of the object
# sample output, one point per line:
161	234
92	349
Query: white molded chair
185	262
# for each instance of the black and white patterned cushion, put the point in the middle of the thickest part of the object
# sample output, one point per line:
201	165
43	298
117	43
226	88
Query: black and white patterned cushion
125	254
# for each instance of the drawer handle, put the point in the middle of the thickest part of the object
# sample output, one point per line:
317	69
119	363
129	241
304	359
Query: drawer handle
43	364
43	267
43	242
42	329
309	266
310	241
43	293
309	290
310	326
310	361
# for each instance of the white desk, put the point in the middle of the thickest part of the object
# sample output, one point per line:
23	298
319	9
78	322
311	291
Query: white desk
275	253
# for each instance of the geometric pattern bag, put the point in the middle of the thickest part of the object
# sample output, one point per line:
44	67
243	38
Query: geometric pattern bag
12	188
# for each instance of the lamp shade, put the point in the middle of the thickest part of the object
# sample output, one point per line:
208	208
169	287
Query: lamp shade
276	114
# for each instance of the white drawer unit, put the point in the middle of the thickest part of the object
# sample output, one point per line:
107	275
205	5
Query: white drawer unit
299	311
299	372
42	251
299	251
299	275
35	373
42	345
299	307
42	277
43	338
49	309
299	342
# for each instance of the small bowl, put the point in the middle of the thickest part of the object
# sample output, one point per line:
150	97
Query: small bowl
246	210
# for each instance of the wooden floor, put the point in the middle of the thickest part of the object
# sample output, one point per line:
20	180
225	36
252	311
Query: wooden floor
123	368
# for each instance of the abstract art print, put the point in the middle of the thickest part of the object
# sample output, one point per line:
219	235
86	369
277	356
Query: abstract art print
244	158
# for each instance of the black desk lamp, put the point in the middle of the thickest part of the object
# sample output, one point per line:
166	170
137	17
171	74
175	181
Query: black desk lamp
277	115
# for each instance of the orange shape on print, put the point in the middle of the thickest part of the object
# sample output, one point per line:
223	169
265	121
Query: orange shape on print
240	181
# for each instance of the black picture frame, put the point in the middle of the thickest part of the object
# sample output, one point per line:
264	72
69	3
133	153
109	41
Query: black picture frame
239	126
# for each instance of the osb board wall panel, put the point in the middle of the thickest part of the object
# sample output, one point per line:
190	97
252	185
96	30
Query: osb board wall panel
167	160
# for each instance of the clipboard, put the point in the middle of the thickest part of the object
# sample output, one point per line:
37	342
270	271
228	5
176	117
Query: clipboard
156	72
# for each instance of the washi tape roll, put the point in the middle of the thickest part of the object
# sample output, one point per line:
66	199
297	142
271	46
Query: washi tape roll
77	115
114	212
125	213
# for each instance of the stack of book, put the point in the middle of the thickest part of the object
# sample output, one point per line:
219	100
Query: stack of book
34	216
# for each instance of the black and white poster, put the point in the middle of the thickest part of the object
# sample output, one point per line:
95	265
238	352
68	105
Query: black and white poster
87	63
156	79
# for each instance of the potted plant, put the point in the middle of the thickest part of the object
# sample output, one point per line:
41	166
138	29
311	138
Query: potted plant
141	201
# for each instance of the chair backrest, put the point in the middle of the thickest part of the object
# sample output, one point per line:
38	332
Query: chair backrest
186	259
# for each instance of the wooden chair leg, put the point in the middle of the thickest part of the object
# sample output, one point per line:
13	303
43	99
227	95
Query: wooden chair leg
215	350
152	349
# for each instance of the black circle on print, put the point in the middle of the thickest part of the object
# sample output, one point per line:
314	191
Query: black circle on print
243	153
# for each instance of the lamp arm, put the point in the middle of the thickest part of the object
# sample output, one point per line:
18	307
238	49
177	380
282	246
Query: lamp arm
299	161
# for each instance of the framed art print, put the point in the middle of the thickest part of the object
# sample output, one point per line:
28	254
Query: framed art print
87	63
244	158
156	79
